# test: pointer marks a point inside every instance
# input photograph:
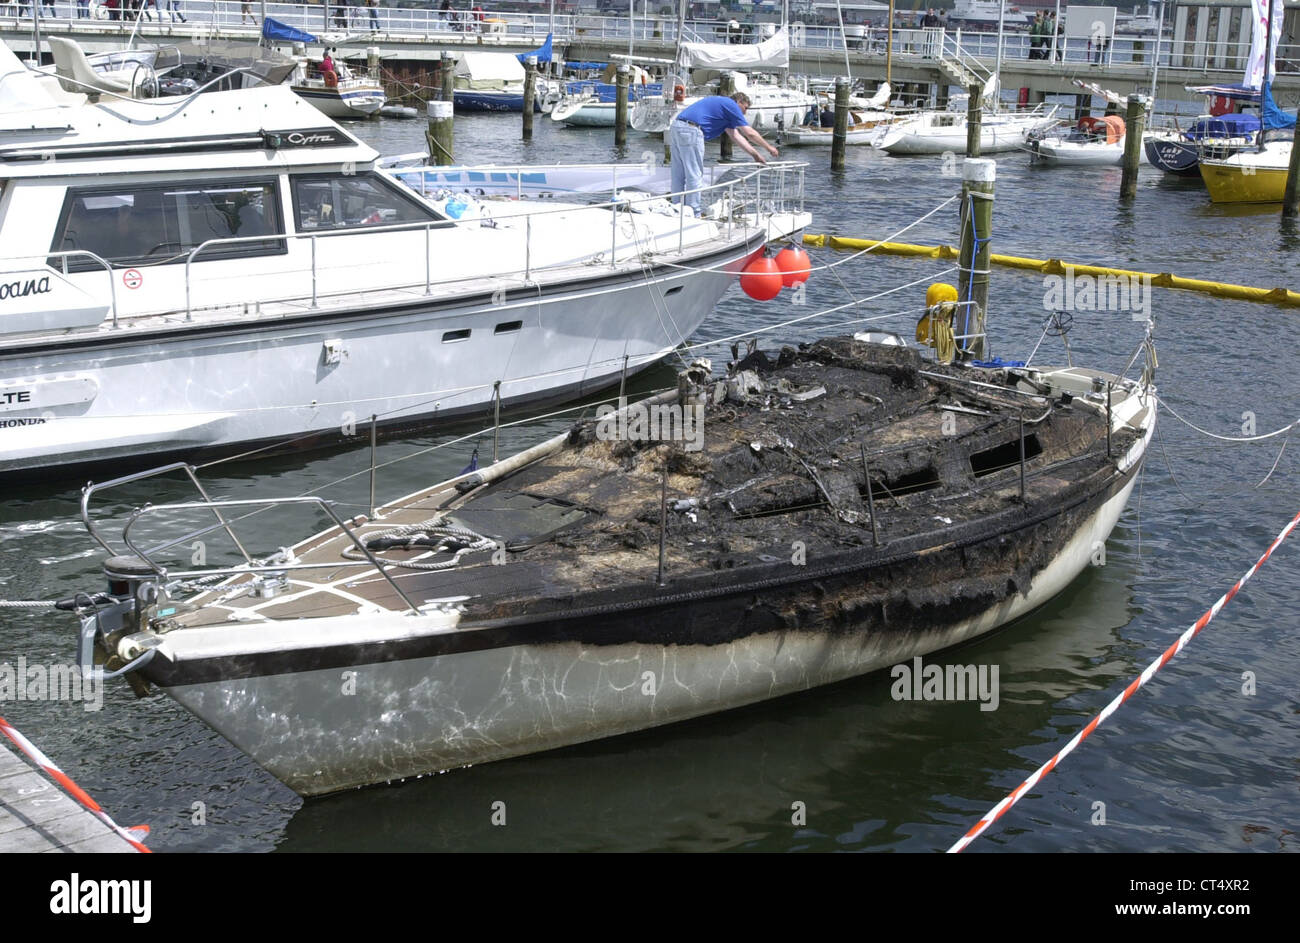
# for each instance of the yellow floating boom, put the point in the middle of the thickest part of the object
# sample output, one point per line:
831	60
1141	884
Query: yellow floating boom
1280	296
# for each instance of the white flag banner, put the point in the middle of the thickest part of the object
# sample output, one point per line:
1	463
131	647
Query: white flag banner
1259	45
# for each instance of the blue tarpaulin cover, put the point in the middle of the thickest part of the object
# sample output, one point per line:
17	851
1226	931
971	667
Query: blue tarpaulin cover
274	29
1224	126
1274	117
543	53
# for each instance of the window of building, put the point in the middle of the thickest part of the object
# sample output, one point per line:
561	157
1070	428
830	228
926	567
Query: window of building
148	225
343	201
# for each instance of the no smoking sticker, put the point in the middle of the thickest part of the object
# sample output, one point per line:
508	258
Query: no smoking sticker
132	278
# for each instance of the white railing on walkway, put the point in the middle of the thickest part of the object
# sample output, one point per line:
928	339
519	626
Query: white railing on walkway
356	25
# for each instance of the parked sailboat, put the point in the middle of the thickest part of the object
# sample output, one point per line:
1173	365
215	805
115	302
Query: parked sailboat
1258	174
772	106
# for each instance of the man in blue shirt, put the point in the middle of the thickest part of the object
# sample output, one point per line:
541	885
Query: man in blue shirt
703	121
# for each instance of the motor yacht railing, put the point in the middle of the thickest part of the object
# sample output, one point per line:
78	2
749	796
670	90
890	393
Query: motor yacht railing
84	253
738	194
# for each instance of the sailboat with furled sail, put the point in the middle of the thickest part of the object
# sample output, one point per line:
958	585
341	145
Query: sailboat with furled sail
1258	174
697	64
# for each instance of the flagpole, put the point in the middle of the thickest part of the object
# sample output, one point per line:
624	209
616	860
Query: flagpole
848	70
1155	63
889	46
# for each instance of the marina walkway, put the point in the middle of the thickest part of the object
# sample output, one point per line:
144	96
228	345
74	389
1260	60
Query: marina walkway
36	816
410	37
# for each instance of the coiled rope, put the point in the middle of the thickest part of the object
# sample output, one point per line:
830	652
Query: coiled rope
435	535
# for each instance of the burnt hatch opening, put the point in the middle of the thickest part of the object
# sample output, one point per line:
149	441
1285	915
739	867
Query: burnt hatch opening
914	482
1006	455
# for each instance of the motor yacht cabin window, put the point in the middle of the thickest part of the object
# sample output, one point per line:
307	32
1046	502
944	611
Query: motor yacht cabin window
347	201
151	225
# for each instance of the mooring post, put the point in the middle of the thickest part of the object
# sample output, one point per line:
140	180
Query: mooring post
978	175
620	106
530	90
1291	198
440	135
727	87
871	498
1133	122
840	136
663	523
447	75
373	438
372	62
973	119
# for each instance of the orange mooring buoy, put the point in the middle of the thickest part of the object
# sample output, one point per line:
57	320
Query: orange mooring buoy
794	264
761	279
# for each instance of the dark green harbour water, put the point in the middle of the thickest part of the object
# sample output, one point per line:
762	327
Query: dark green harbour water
1190	764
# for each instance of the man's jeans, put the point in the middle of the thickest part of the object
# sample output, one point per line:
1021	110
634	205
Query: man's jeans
687	143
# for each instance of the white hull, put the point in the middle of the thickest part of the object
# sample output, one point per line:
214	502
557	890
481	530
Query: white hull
1077	154
585	113
348	100
475	707
477	704
771	109
268	380
943	132
867	127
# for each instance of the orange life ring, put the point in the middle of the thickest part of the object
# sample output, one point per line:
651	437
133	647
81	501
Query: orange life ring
331	79
679	93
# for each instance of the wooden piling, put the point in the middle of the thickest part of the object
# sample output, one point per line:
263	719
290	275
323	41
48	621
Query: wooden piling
530	90
1134	121
726	86
620	106
447	76
973	92
440	134
840	136
1291	198
977	175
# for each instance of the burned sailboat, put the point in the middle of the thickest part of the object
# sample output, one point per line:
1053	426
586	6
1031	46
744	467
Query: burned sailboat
850	505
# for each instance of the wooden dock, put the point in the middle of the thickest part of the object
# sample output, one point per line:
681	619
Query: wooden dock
37	816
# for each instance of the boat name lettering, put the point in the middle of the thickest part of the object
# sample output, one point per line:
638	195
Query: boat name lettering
15	396
33	286
306	139
11	423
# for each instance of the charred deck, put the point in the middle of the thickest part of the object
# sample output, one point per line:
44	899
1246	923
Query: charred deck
843	487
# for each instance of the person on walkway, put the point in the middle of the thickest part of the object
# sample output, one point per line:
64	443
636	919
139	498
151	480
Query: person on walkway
246	14
705	120
174	10
374	17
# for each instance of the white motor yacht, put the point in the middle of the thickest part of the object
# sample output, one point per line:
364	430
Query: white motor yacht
188	275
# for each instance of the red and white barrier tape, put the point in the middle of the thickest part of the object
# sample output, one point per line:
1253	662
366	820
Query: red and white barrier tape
64	780
998	810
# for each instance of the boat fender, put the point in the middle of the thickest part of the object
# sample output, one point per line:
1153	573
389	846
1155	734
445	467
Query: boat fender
935	327
679	93
331	79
